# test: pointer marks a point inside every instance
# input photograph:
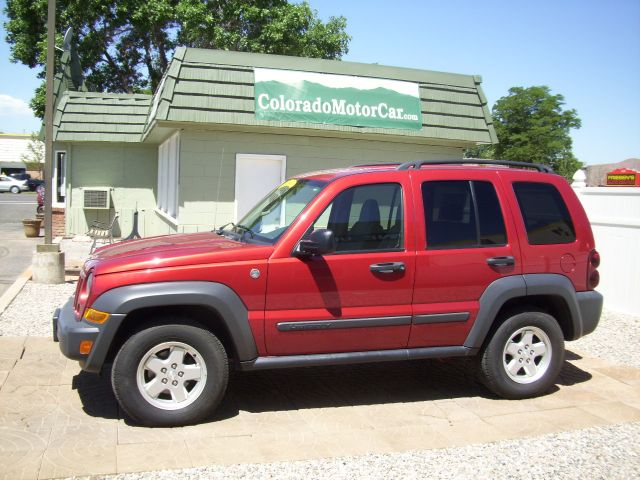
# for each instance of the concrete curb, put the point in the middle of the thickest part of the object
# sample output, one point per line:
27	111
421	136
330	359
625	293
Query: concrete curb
14	290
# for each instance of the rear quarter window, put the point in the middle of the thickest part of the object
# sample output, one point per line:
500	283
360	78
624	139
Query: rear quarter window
546	217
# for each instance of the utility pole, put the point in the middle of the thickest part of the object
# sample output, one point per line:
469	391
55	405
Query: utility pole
48	124
48	261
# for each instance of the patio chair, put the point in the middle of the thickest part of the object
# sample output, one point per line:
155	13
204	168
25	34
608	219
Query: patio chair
101	231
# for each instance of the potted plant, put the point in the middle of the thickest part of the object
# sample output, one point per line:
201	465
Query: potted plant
31	227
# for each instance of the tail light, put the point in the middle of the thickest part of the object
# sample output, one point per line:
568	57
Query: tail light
593	277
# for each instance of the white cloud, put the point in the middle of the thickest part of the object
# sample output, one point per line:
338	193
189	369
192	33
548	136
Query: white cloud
11	107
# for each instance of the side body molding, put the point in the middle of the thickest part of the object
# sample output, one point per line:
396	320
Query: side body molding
220	298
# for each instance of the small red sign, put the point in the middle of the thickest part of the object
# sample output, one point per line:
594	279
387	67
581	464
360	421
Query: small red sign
623	177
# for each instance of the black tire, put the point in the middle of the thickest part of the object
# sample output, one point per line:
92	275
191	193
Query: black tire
510	375
14	190
40	209
129	377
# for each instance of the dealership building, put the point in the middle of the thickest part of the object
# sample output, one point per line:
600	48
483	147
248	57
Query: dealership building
224	128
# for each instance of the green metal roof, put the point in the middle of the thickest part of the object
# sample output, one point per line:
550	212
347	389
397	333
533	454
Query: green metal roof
217	87
100	117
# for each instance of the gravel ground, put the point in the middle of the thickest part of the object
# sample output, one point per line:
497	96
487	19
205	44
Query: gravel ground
612	340
30	312
595	453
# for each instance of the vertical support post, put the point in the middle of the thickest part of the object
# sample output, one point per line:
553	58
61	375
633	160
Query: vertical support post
48	124
48	260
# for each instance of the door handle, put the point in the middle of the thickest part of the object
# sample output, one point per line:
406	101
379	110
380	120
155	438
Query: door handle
389	267
501	261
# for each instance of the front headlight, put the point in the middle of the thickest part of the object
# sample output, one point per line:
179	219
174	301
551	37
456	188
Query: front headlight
82	294
88	284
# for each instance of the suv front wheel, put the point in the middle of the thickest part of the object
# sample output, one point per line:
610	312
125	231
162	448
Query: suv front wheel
170	375
524	356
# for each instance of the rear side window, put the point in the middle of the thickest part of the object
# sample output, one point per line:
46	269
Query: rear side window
489	214
545	214
462	214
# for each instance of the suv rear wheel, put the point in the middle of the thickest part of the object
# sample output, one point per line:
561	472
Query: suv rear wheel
524	356
170	375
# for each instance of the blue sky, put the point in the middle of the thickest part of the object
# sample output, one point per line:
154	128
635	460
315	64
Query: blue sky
588	51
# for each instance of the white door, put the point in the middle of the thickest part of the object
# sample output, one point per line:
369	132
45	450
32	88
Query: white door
256	176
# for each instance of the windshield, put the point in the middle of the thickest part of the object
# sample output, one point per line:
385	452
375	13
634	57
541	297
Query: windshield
267	221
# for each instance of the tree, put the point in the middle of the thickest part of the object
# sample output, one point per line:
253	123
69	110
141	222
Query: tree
125	45
34	158
533	126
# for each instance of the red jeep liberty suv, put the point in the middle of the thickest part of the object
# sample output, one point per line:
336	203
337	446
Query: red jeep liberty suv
427	259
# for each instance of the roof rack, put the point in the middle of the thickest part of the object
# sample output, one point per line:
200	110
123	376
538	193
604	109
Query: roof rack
463	161
364	165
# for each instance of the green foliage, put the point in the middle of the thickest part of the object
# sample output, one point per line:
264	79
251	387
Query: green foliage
480	151
533	126
263	26
125	45
34	158
39	100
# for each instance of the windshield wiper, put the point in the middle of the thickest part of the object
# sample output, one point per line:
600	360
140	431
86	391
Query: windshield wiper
219	230
236	227
246	229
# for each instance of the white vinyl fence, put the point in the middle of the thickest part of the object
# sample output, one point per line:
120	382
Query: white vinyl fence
614	213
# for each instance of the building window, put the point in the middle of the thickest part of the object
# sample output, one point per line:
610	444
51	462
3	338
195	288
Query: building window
168	175
59	178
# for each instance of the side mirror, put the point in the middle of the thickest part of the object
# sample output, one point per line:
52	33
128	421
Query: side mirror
320	242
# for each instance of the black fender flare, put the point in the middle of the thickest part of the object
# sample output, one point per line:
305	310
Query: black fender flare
504	289
121	301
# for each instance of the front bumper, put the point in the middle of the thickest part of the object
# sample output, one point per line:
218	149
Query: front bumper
70	332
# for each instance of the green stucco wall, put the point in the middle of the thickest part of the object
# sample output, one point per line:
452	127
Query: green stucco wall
207	174
132	171
207	166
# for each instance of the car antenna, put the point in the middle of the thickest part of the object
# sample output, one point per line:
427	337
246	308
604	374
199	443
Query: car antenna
215	209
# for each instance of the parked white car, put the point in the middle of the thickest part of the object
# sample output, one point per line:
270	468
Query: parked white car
9	184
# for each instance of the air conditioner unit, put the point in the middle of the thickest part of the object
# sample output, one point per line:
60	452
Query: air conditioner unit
98	198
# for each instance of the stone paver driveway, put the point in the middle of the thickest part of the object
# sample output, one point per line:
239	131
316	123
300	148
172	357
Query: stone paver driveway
56	421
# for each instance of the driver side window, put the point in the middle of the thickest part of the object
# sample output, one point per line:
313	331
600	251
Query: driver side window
365	218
